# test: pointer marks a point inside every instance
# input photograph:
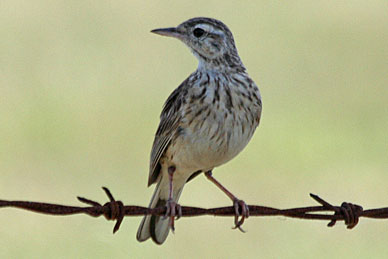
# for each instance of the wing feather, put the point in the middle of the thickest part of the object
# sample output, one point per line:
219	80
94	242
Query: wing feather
170	119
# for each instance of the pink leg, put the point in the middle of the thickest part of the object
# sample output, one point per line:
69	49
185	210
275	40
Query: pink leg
173	209
236	202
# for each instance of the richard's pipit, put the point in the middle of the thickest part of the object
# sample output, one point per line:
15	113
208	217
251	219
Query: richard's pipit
205	122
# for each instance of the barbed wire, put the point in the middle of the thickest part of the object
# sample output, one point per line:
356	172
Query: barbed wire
116	210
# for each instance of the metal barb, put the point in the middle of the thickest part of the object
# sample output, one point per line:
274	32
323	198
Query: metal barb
116	210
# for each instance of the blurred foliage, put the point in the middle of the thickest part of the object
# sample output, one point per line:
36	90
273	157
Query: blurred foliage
82	84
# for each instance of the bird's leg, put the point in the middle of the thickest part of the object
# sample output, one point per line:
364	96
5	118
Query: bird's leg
173	209
236	202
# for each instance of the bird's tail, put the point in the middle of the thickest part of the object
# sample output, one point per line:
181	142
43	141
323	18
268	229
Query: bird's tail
154	226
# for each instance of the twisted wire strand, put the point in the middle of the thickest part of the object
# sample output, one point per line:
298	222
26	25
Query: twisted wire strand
116	210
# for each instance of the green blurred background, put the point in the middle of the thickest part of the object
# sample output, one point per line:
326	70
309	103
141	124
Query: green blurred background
82	84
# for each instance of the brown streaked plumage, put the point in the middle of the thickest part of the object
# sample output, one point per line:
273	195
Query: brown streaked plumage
204	123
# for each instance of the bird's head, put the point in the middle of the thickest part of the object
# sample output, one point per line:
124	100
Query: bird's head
209	39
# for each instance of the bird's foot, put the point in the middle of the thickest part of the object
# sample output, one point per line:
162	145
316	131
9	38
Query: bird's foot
240	205
173	210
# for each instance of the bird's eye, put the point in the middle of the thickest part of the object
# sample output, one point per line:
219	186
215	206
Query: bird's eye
198	32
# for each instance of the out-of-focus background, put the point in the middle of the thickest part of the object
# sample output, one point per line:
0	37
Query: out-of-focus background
82	84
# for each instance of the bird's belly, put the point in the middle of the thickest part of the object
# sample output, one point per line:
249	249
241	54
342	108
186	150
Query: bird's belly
210	144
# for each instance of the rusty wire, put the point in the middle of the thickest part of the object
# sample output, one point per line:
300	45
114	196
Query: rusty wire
116	210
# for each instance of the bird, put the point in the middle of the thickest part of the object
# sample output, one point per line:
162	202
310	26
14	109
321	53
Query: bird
205	122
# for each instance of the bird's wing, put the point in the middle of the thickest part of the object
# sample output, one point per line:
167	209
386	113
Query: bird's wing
170	119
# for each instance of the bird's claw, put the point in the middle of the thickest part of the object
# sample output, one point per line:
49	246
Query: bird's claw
173	210
244	213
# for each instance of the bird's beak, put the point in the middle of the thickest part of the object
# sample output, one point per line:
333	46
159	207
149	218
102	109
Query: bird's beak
169	32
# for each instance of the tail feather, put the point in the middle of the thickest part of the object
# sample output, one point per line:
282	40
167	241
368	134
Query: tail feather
143	233
155	226
159	227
